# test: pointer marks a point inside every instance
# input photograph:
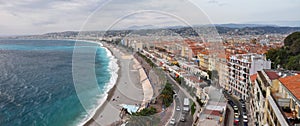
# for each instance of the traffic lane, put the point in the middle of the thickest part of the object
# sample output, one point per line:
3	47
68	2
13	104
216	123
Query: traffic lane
188	121
238	104
189	118
177	113
180	97
178	100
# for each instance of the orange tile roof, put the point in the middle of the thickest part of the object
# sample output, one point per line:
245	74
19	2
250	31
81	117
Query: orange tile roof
253	77
292	83
205	52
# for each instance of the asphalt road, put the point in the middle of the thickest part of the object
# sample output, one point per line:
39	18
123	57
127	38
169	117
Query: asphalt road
179	102
238	104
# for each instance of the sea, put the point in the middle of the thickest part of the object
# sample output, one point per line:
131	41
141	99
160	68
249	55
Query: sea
42	84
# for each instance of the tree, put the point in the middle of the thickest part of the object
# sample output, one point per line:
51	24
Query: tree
178	80
295	48
167	95
293	63
289	40
287	56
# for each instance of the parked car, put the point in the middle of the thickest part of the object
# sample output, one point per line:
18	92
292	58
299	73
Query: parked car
172	122
182	119
245	116
178	108
236	115
236	120
243	105
235	108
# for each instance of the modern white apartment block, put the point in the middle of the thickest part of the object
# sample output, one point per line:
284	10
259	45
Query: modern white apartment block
240	67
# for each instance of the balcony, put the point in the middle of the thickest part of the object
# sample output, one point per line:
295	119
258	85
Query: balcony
284	104
277	111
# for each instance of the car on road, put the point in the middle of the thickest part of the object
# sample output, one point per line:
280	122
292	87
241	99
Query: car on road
178	108
172	122
235	108
236	115
243	106
236	121
245	116
182	119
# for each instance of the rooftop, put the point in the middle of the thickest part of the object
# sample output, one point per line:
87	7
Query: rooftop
272	74
292	83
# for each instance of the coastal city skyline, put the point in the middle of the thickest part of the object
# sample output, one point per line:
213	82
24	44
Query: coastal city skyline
36	17
149	63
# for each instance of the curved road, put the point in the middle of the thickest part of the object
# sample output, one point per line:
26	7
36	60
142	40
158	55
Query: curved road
179	102
238	104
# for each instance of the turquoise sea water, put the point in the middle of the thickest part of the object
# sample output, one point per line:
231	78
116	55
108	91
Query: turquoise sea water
36	82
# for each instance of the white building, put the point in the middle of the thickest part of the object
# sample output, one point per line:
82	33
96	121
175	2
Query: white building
241	66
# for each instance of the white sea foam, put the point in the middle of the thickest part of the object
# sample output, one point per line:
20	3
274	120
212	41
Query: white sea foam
113	69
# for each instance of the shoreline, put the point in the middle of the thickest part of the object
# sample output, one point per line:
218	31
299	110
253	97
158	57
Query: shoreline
110	92
108	111
128	90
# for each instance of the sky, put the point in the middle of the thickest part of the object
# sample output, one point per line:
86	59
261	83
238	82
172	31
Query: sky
21	17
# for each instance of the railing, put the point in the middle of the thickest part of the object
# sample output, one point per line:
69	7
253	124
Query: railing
278	111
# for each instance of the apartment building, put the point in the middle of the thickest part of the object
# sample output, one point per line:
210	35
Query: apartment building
287	95
262	83
240	67
222	69
203	60
276	98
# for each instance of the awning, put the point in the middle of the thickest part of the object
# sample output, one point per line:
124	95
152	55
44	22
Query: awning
130	108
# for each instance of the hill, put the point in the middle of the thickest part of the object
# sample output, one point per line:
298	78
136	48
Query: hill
288	56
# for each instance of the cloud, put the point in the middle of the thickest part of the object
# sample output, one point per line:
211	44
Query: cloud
41	16
216	2
48	15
